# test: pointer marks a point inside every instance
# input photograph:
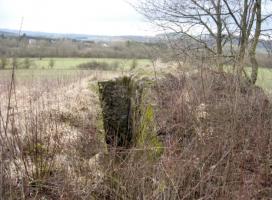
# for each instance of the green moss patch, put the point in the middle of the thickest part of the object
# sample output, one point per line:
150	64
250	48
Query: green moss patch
128	117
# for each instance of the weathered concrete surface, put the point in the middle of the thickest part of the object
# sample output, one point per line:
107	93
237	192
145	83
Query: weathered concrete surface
116	101
128	116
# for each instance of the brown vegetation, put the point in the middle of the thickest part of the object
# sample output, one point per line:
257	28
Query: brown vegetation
215	134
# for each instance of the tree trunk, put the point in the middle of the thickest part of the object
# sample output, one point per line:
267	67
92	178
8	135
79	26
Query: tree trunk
255	67
252	52
243	39
219	36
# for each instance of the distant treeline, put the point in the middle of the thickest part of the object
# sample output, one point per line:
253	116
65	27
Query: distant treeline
42	47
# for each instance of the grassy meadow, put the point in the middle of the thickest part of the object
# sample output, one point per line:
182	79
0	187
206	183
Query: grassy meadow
72	63
264	77
40	68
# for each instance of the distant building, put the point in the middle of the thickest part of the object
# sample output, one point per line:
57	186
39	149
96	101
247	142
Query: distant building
105	45
32	41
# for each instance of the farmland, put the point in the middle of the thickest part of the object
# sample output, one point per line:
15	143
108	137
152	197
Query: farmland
264	77
72	63
69	67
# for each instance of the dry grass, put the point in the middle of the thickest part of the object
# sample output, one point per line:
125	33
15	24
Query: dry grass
217	144
219	137
216	135
48	133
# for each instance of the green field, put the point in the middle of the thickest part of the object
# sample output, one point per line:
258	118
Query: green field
265	79
72	63
67	66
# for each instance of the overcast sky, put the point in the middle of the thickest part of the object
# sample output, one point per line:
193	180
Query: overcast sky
103	17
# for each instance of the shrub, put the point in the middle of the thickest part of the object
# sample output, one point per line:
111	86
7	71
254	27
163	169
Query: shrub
51	63
116	64
94	65
26	63
4	62
15	63
134	64
216	131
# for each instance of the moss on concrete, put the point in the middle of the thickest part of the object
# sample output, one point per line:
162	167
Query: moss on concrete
147	138
128	117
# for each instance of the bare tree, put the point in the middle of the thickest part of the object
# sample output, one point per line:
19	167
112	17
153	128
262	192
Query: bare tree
227	30
197	23
245	21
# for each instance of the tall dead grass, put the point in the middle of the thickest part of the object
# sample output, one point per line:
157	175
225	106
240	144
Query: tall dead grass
216	138
217	144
